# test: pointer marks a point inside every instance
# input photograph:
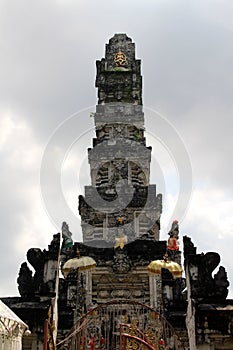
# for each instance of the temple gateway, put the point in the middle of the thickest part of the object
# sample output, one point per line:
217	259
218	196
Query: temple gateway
122	288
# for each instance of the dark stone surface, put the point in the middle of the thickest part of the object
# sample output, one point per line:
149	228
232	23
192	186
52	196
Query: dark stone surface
31	286
139	251
119	84
189	248
201	266
33	312
37	259
25	282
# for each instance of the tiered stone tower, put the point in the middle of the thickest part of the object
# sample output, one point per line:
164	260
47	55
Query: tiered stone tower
120	215
120	201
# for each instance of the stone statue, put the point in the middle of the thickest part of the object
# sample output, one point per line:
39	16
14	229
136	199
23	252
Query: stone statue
221	283
25	281
172	243
174	229
67	242
37	259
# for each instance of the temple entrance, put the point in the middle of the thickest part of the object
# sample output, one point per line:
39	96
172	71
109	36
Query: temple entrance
121	325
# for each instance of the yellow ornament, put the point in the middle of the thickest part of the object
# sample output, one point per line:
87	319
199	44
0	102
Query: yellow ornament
120	59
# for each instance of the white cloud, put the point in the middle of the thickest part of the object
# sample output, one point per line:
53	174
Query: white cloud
209	223
6	128
22	214
218	12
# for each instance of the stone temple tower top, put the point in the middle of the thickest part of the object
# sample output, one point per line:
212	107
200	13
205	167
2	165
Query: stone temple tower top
120	202
119	73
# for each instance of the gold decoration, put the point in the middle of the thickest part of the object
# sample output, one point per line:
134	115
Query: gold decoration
149	335
120	242
156	266
120	59
120	220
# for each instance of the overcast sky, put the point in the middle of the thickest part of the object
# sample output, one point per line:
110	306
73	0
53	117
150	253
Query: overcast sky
47	73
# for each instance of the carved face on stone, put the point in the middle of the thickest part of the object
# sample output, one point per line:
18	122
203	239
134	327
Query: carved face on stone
65	230
193	272
121	263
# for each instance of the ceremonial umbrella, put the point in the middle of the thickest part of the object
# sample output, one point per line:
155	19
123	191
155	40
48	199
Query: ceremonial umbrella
156	266
84	263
